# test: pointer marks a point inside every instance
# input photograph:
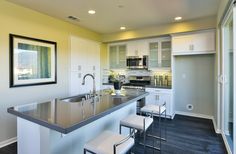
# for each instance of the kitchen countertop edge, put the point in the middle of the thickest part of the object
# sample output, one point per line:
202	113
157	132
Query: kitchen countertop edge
76	126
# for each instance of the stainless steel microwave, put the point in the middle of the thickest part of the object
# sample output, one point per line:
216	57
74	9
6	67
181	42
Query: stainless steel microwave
135	62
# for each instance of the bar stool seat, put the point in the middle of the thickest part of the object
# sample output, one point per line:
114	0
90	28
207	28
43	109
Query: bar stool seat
109	143
155	109
137	122
140	123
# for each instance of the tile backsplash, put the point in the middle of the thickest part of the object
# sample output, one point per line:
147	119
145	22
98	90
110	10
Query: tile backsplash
127	73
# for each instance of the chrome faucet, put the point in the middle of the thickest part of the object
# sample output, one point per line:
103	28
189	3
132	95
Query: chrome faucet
94	86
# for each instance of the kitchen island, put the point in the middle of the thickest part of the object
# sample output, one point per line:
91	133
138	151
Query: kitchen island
63	126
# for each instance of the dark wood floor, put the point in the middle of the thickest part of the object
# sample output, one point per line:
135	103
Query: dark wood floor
185	135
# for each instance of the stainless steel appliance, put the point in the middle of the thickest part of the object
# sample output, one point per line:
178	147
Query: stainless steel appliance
136	62
138	83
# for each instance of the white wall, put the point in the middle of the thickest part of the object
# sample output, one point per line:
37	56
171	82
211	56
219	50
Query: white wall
194	84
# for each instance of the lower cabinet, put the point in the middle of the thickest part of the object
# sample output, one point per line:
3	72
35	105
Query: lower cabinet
157	95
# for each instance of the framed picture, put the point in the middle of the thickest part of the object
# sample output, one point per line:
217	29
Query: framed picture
32	61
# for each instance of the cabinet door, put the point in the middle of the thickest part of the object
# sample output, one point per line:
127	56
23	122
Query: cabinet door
204	42
166	98
182	43
86	55
113	57
153	55
165	54
152	98
122	56
132	48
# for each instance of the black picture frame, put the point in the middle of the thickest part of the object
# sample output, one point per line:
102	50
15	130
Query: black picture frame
12	72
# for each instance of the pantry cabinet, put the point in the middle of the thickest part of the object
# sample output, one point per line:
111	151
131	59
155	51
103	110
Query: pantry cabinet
157	95
202	42
84	59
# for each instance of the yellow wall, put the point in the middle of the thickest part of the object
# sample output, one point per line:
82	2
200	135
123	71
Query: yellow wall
22	21
199	24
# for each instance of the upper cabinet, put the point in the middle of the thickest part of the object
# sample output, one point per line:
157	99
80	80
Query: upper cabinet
137	48
117	56
160	53
202	42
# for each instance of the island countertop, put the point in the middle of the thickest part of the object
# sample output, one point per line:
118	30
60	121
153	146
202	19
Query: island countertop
66	117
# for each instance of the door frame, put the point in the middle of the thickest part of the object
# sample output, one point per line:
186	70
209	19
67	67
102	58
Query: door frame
231	12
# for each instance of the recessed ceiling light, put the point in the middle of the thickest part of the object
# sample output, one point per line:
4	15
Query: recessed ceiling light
91	11
178	18
122	28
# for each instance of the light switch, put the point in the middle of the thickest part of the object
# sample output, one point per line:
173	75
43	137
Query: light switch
184	76
79	67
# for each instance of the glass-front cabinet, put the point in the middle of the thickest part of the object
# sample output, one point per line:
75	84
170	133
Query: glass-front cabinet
160	53
117	56
166	54
153	55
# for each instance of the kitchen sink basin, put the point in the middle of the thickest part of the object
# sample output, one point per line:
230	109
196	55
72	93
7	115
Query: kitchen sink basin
79	98
74	99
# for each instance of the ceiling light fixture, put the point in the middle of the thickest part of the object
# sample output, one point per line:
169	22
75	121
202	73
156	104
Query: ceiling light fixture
122	28
91	11
178	18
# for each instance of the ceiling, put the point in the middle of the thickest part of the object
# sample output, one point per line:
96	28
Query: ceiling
111	14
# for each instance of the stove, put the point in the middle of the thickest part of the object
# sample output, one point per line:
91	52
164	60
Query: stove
137	82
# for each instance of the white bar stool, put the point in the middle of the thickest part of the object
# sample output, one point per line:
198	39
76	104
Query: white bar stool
140	123
109	143
159	110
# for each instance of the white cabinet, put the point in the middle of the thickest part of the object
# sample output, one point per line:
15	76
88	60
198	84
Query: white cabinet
202	42
137	48
84	59
117	56
160	53
157	95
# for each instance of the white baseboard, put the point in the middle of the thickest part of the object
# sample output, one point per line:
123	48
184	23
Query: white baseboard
194	115
7	142
226	143
217	130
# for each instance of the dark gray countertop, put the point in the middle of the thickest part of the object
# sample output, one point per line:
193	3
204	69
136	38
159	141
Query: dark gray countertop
157	86
65	117
148	86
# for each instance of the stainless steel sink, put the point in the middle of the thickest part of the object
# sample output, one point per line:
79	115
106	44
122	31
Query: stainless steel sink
74	99
79	98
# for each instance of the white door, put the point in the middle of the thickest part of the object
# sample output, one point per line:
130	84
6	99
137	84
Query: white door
228	90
